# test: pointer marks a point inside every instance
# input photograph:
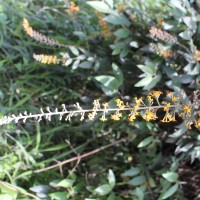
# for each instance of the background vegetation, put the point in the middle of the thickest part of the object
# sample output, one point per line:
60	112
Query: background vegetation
106	50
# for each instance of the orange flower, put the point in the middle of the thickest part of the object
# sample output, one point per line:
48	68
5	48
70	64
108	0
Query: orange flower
73	7
196	55
168	118
166	54
132	116
149	115
156	94
187	109
166	107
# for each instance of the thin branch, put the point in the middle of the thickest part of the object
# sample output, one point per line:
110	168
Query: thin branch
79	157
17	190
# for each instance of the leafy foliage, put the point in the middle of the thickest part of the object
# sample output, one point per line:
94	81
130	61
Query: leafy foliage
57	52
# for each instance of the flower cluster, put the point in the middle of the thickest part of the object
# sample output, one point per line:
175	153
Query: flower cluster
161	51
145	107
196	55
103	24
46	59
163	35
73	8
38	36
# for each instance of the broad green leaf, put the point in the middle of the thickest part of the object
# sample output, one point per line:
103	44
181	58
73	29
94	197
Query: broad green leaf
146	69
132	172
117	19
109	84
186	35
40	189
75	64
124	52
103	189
68	62
170	176
145	142
153	82
81	57
122	33
169	192
6	188
59	195
100	6
112	196
134	44
190	22
116	51
110	3
145	81
80	34
138	180
90	199
5	197
119	45
118	73
111	178
74	50
177	4
139	193
66	183
85	65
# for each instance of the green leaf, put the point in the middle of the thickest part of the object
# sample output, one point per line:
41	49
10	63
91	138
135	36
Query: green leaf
66	183
134	44
138	180
59	195
132	172
55	147
170	176
117	19
5	197
86	65
139	193
111	178
124	52
110	3
118	73
144	81
109	85
74	50
103	189
177	4
145	142
146	69
122	33
186	35
153	82
116	51
75	64
90	199
169	192
100	6
112	196
68	62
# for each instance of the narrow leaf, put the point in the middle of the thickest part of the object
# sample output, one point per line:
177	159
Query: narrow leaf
145	142
103	189
170	176
100	6
169	192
